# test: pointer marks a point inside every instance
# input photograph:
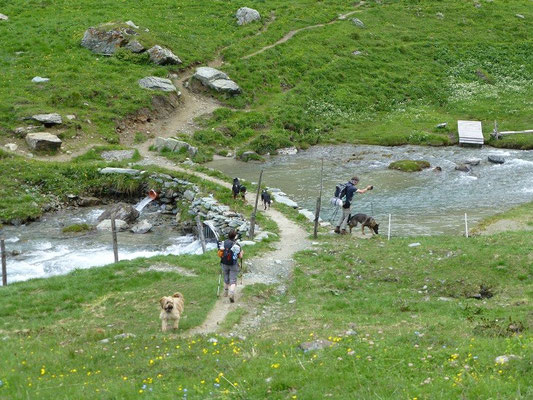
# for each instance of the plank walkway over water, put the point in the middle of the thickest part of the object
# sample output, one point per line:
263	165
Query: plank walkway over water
470	133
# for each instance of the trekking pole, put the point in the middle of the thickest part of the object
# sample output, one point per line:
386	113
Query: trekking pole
218	288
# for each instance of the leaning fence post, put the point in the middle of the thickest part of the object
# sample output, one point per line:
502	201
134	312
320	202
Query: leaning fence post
466	225
114	235
252	218
4	267
388	234
200	233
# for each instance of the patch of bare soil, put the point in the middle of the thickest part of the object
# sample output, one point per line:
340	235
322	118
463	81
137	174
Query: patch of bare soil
505	225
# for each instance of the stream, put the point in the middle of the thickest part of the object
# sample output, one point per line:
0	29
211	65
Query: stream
421	203
46	251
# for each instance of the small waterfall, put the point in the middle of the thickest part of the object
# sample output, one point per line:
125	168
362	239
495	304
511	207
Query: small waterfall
143	203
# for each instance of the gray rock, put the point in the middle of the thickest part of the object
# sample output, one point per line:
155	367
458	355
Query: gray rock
38	79
71	117
358	22
125	336
215	79
357	53
11	146
135	46
318	344
104	42
174	145
117	155
247	155
225	86
281	198
120	211
161	56
105	225
246	15
142	227
473	161
519	16
463	168
132	24
442	125
43	141
189	195
48	119
88	201
156	83
440	15
3	17
496	159
124	171
104	341
24	130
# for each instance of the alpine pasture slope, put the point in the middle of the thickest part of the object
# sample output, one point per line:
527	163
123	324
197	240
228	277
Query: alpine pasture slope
416	64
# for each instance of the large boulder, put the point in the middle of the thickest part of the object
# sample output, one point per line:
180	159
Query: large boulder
246	15
43	141
215	79
161	56
174	145
48	119
122	211
155	83
106	42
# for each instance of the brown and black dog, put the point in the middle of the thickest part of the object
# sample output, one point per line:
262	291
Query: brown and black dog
364	220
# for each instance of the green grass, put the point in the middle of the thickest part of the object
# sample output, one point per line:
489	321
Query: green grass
409	165
95	153
520	214
77	228
416	70
414	329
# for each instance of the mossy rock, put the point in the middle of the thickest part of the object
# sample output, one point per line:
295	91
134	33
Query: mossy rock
77	228
409	165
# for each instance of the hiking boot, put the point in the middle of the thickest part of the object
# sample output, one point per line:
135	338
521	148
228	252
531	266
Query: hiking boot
337	229
232	297
343	232
225	292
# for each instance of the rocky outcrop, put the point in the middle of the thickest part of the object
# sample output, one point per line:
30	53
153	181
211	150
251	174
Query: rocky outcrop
161	56
217	80
245	15
219	216
122	211
249	155
43	141
135	46
156	83
174	145
48	119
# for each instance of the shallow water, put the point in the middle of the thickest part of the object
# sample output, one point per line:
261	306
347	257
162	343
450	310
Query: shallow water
46	251
421	203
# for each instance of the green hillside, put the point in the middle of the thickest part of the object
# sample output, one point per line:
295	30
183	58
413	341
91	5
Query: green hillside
421	63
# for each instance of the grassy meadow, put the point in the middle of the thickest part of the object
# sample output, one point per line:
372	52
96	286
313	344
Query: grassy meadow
421	63
404	323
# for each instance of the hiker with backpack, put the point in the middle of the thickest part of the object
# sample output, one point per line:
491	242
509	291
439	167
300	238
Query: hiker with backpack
346	191
229	252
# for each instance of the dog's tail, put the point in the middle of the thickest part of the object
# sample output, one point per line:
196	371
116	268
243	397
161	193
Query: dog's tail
178	295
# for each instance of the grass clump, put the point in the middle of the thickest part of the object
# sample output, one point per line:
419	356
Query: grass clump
409	165
77	228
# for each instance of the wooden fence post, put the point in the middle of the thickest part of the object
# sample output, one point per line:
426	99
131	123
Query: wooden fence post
200	233
466	225
252	218
114	235
4	266
388	234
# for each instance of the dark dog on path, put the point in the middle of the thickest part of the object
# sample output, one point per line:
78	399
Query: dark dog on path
265	198
364	220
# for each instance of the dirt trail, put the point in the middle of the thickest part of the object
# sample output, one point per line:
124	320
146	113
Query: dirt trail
291	34
272	268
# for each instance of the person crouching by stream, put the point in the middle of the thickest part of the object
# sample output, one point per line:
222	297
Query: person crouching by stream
229	262
351	189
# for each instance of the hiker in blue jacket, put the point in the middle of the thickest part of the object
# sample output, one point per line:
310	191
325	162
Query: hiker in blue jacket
351	189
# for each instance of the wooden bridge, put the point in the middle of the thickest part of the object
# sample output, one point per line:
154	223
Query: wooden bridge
470	133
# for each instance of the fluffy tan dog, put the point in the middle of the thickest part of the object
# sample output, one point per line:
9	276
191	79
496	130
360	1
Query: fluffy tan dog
171	309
